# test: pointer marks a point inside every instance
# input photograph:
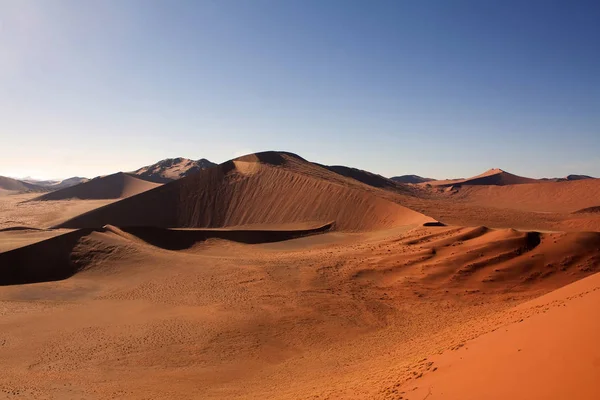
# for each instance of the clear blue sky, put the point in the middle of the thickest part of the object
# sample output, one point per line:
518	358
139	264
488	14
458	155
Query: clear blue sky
442	88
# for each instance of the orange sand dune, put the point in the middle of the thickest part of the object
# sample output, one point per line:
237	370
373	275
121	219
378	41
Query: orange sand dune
265	188
115	186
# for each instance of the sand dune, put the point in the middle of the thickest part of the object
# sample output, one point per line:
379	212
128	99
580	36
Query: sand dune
115	186
14	185
57	184
493	176
411	179
266	188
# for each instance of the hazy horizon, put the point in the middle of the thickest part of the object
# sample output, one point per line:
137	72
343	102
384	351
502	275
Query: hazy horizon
433	88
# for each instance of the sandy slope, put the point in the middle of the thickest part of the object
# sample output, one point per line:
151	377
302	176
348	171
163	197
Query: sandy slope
550	352
115	186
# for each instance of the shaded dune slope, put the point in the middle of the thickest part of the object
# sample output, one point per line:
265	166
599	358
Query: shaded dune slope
181	239
115	186
368	178
48	260
265	188
63	256
591	210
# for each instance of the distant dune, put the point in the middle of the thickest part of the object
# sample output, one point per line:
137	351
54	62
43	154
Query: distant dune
564	197
264	188
56	184
14	185
411	179
569	178
172	169
578	177
494	176
115	186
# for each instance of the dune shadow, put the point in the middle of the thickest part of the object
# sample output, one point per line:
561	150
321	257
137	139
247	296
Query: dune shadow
181	239
48	260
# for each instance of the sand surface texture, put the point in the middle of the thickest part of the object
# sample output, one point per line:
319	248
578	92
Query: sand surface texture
272	277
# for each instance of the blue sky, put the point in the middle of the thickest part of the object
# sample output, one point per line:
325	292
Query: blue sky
444	88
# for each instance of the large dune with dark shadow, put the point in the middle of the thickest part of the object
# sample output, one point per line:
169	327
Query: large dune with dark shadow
115	186
265	188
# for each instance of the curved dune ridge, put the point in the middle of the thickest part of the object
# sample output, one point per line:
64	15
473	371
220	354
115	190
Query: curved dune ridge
115	186
265	188
66	253
493	176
